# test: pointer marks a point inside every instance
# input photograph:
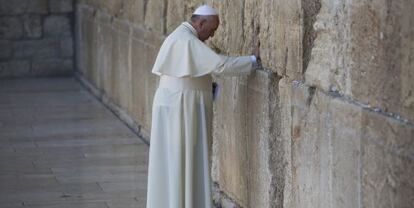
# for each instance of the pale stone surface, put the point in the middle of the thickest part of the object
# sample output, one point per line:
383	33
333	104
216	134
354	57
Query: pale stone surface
386	160
37	49
8	7
365	55
14	68
52	67
11	28
56	25
243	141
32	26
66	47
154	16
61	6
6	49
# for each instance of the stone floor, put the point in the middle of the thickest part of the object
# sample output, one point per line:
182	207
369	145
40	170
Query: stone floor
61	148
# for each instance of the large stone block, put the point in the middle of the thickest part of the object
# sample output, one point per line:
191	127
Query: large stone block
14	7
323	131
32	25
365	55
154	16
52	67
244	138
86	47
43	48
11	28
175	14
121	80
57	25
5	49
147	37
61	6
135	11
66	47
387	154
143	82
15	68
230	136
104	63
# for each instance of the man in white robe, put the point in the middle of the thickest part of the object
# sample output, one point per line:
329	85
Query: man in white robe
178	173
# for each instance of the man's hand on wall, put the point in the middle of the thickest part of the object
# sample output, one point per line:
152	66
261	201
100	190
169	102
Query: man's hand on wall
256	51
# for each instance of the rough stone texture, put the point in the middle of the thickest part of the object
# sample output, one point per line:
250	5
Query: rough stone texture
345	153
242	160
32	26
11	28
52	67
66	47
61	6
328	123
16	7
6	49
14	68
45	48
34	32
57	26
366	55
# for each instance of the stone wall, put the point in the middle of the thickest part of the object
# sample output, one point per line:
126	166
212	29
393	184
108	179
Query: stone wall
36	38
329	122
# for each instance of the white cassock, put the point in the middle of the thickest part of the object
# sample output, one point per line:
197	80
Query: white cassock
179	172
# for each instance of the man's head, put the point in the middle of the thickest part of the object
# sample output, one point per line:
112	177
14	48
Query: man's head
205	21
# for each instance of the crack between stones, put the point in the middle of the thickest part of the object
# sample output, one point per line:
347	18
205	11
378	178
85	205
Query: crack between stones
337	95
311	9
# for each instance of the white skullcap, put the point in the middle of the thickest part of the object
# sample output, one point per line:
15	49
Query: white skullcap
205	10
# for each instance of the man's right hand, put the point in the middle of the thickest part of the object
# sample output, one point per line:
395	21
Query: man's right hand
256	51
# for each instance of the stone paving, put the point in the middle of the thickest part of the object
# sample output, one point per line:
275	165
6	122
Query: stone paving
61	148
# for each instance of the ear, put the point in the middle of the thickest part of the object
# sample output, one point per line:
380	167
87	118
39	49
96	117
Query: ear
202	22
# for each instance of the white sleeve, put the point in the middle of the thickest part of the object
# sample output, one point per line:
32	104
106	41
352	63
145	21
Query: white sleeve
234	66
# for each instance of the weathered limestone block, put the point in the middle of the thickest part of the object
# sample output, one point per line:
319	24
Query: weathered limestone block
382	71
147	37
244	138
79	38
57	25
365	55
281	37
13	7
43	48
61	6
5	49
32	25
87	42
154	16
14	68
324	132
343	155
66	47
121	81
387	154
104	64
230	136
11	28
135	11
52	67
144	83
231	27
175	14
